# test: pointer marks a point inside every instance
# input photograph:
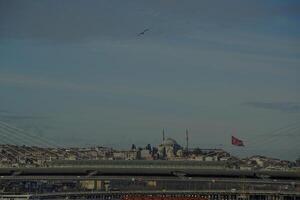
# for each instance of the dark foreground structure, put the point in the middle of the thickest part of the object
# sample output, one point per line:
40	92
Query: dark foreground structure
147	180
146	168
166	195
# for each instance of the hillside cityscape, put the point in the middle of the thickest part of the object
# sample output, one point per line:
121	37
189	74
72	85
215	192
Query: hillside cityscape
169	149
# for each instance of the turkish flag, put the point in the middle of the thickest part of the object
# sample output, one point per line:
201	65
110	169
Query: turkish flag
237	142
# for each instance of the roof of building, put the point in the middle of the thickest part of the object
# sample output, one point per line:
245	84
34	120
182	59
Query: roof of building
170	142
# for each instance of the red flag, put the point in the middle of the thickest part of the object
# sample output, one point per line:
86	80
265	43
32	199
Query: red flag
237	142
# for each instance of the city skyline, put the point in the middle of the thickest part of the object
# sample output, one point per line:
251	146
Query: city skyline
82	73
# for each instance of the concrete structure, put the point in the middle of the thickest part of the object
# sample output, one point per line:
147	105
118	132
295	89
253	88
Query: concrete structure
97	187
209	195
144	167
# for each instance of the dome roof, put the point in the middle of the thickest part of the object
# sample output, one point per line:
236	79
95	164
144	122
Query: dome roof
170	142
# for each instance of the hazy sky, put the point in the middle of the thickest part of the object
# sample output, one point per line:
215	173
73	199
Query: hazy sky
77	73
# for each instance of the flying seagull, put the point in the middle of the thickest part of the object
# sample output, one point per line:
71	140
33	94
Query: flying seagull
143	32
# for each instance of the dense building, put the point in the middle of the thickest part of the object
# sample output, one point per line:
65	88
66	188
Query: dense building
298	162
168	149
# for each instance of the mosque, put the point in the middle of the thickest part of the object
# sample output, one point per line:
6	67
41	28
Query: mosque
169	149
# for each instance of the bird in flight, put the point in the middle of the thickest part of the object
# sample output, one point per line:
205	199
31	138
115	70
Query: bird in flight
143	32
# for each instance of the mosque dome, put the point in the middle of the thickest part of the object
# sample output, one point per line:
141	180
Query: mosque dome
170	142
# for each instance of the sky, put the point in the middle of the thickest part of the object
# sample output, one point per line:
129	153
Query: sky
78	73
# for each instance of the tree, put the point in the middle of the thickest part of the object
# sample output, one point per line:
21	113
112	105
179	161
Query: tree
148	147
133	147
298	162
197	151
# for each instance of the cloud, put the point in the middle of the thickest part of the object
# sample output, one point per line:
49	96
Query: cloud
8	115
37	82
289	107
81	20
111	96
19	117
20	80
4	112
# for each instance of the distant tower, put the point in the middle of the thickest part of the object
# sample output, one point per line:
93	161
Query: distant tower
187	140
163	143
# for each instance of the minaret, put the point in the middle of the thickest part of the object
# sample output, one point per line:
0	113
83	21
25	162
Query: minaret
187	141
164	147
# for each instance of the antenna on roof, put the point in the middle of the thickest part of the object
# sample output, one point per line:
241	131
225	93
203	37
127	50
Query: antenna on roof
163	134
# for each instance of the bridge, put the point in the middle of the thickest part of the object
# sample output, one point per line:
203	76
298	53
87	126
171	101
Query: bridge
55	183
143	167
117	179
205	194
